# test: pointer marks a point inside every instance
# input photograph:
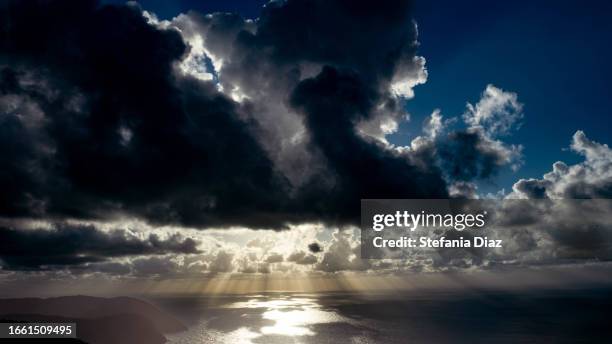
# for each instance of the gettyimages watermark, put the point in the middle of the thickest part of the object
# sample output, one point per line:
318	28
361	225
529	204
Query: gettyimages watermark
395	228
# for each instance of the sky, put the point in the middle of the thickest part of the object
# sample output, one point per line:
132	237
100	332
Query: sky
189	140
545	51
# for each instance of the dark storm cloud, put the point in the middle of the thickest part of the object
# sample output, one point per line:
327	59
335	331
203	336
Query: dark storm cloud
353	34
532	188
465	155
331	103
473	152
119	132
336	80
96	120
25	249
314	247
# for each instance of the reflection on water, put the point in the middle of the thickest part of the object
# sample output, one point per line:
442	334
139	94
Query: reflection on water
279	319
417	318
291	315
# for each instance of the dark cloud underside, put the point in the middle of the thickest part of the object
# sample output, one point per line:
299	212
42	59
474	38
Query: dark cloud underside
26	249
97	121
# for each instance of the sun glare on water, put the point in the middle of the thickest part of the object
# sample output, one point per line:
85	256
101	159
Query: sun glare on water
292	316
276	317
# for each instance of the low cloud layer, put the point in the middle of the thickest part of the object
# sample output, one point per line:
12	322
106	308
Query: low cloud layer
67	245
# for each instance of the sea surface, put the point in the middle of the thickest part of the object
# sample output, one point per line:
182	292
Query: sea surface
569	316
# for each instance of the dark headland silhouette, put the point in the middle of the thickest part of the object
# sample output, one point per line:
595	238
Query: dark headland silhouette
99	320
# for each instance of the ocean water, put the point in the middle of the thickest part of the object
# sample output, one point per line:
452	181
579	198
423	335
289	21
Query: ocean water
576	316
